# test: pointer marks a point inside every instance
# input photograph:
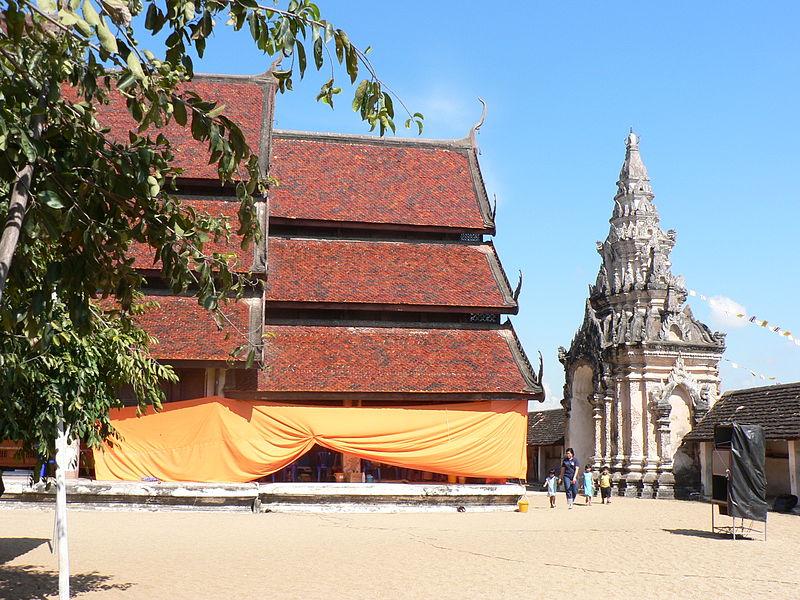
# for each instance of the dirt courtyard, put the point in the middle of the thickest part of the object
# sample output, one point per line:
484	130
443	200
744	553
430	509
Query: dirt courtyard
629	549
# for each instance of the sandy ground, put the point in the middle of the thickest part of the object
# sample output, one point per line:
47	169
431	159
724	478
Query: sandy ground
629	549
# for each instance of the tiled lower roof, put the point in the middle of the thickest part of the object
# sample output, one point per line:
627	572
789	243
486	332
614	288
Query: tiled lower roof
340	359
546	427
186	331
241	259
356	179
387	273
776	408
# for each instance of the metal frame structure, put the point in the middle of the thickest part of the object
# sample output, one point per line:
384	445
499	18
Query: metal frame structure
731	529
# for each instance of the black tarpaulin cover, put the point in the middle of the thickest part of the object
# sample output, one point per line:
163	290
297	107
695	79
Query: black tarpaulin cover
747	483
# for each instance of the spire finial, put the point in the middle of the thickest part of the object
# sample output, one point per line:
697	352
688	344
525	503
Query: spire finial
632	141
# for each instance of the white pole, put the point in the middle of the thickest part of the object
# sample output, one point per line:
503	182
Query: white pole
62	460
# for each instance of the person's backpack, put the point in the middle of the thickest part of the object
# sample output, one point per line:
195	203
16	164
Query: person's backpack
784	503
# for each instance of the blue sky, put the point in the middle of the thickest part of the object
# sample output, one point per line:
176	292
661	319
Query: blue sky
712	88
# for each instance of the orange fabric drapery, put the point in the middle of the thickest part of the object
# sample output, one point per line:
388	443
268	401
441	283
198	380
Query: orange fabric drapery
220	439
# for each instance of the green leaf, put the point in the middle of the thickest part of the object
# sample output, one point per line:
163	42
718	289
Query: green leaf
68	19
301	57
179	112
127	81
216	111
47	6
318	59
27	146
90	14
135	65
107	39
358	97
387	101
251	357
51	199
83	26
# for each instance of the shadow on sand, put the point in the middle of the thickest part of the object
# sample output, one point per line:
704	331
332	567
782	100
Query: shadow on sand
32	583
11	548
703	534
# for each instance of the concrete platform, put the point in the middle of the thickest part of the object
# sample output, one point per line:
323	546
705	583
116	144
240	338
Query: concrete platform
271	497
387	497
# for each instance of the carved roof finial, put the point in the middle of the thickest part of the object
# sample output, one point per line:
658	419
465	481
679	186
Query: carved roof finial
518	289
473	133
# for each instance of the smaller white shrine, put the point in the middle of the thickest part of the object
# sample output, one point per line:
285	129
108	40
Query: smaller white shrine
641	371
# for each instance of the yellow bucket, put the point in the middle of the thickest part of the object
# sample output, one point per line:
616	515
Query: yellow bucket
522	504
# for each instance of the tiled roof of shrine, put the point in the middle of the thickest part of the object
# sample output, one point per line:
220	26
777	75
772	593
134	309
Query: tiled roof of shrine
400	360
776	408
546	427
379	181
387	273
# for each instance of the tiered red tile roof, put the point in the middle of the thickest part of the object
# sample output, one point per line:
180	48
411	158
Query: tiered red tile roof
387	273
370	186
356	179
330	359
187	332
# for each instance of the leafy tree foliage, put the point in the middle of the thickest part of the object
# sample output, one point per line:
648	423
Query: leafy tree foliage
75	198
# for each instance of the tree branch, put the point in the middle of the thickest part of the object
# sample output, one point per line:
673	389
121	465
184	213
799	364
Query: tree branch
18	203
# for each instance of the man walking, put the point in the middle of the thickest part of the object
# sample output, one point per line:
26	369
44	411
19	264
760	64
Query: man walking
569	475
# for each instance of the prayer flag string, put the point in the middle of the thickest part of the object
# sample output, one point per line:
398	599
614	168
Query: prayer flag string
763	323
735	365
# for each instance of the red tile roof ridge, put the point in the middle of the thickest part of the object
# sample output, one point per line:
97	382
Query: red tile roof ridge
464	143
265	77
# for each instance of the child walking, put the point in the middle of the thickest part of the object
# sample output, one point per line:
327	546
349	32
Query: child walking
551	483
588	485
605	486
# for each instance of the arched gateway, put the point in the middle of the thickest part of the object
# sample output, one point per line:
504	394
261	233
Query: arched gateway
641	370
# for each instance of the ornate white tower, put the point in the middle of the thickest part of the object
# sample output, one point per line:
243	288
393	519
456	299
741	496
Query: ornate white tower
641	371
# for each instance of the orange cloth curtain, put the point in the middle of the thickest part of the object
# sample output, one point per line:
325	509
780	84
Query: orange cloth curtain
220	439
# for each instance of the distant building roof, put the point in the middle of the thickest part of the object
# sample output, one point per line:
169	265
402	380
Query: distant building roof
311	359
376	273
546	427
368	180
776	408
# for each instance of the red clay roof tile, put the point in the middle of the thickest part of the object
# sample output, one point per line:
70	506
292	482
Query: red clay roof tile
307	358
346	179
393	273
186	331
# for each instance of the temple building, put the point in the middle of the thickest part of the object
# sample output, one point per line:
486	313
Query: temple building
380	287
641	371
